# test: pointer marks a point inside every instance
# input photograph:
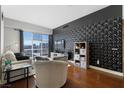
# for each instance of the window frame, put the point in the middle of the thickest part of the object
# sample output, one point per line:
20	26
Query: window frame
41	41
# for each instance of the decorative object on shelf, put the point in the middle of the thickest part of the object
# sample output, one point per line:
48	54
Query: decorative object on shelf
77	46
81	54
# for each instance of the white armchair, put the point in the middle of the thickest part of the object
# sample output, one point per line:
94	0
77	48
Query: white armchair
50	74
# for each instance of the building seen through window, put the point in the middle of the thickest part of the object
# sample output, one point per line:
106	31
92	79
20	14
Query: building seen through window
35	44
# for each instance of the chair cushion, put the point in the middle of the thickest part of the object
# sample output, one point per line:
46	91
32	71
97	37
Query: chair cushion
20	56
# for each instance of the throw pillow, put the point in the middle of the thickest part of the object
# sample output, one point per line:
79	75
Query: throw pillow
9	55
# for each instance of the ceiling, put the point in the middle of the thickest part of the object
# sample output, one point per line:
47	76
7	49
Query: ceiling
50	16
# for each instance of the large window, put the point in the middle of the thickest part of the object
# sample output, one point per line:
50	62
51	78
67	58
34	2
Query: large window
35	44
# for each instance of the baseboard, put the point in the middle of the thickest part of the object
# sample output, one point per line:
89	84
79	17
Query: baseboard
106	70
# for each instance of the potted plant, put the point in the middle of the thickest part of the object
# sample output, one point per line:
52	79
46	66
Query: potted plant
8	64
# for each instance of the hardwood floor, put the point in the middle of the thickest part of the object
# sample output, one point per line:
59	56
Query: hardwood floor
80	78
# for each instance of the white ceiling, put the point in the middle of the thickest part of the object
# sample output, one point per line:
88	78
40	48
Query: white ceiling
50	16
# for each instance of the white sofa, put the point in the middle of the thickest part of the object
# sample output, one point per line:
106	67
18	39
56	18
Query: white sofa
50	74
10	56
18	72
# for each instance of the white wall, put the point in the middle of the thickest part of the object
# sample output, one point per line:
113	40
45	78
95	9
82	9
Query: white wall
26	26
1	39
12	37
12	40
1	32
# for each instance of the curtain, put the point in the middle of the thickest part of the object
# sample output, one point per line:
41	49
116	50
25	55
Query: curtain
21	41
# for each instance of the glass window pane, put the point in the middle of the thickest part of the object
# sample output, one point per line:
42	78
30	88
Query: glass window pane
44	37
44	51
36	53
37	36
44	45
27	35
28	52
27	40
36	44
27	44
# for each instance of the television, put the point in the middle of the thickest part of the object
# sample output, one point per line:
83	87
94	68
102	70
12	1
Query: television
59	44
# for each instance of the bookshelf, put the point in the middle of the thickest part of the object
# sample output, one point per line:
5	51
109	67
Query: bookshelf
81	54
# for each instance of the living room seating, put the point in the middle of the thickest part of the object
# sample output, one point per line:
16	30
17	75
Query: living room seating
9	55
50	74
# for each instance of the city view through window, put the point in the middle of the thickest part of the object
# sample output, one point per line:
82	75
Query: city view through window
35	44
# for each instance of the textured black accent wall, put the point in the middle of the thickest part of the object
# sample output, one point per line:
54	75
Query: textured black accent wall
102	30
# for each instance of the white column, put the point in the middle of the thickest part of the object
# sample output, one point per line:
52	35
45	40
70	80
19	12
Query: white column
1	31
1	40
